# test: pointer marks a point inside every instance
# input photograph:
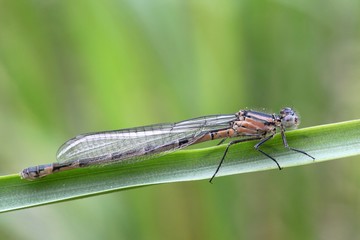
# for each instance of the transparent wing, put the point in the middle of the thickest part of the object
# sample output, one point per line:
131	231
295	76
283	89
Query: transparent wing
132	142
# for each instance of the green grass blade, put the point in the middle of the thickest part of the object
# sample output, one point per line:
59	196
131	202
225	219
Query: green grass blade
324	142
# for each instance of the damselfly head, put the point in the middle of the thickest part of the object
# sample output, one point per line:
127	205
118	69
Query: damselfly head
288	117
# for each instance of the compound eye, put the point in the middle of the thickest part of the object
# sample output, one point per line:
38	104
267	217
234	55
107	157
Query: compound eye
289	119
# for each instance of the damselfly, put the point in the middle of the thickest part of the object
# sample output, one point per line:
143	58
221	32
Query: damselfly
115	146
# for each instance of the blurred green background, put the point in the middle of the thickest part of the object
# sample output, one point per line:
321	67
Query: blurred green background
72	67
